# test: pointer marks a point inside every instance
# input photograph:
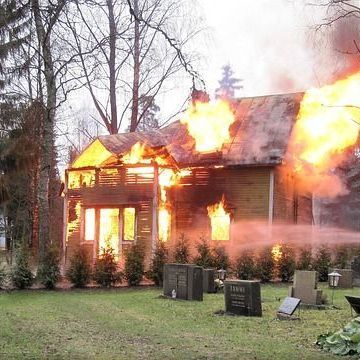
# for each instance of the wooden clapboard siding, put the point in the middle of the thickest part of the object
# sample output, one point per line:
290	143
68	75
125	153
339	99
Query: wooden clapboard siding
246	190
284	196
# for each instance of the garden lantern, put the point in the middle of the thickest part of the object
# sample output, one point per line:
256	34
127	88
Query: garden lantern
334	278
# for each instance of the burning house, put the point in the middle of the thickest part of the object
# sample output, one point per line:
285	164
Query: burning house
218	166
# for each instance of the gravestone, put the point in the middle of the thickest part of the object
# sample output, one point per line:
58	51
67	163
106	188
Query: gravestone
354	302
305	287
209	281
185	279
346	278
287	308
355	267
242	297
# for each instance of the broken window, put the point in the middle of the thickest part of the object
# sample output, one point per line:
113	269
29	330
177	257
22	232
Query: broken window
129	224
89	224
220	221
109	229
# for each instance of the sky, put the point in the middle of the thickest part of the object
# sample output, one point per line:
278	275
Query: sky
271	44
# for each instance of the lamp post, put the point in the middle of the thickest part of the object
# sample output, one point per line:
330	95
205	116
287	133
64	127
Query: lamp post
334	278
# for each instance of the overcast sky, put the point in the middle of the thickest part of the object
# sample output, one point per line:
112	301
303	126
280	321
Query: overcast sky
270	44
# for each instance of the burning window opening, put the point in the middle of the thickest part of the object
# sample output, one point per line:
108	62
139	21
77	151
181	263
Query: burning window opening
129	221
208	123
220	221
89	225
109	230
164	223
79	179
73	217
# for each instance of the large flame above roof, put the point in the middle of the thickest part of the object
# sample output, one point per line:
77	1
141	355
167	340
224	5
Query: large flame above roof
208	123
327	124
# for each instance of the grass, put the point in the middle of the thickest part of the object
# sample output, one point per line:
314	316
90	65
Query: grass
137	324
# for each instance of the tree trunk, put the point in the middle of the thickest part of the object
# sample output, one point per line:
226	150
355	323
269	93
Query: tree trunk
136	79
47	136
112	63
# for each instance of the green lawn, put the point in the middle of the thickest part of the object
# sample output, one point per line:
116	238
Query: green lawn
137	324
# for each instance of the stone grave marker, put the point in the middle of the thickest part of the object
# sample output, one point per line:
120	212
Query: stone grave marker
209	281
354	302
185	279
355	267
287	308
305	287
346	279
242	297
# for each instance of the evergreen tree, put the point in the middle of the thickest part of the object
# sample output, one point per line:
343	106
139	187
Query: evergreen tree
148	111
228	84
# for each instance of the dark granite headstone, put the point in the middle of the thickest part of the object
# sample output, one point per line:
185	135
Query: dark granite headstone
209	281
289	305
185	279
242	297
354	302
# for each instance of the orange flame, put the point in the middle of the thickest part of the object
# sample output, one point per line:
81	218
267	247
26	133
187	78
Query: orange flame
220	221
276	252
208	124
135	155
327	124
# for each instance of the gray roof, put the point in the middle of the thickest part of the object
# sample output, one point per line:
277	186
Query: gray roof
259	136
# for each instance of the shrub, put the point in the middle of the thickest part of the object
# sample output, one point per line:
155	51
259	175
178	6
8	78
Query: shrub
181	250
134	265
286	263
105	270
204	257
21	275
79	272
341	256
245	266
156	273
220	258
265	265
3	276
305	259
49	270
322	262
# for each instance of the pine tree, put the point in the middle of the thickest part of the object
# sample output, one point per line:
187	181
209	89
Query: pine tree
228	84
148	113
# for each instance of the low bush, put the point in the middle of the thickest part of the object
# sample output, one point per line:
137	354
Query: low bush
322	262
134	265
21	275
245	266
3	276
342	255
156	273
305	260
181	250
265	265
48	272
106	270
204	257
79	272
286	263
221	259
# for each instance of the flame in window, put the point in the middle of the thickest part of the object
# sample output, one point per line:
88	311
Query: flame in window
220	221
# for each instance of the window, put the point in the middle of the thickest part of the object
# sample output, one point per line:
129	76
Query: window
129	224
89	224
219	221
109	229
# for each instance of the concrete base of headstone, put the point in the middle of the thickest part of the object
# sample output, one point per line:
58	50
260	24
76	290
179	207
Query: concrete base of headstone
346	279
281	316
